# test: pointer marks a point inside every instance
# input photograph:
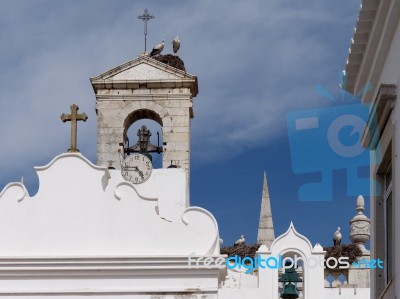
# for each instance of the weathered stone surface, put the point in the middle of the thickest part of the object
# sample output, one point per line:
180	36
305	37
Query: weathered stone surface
360	226
144	88
266	234
74	117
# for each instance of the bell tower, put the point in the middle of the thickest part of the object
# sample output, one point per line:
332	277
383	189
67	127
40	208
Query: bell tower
145	88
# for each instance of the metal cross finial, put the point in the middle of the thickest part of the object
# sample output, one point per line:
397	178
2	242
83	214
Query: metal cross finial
74	117
145	17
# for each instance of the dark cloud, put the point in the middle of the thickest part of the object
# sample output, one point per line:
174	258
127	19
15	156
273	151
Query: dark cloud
255	60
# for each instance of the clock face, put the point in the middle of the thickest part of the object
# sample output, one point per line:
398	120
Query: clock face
137	168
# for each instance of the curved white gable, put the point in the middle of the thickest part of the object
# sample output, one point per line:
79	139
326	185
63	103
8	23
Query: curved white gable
294	243
291	239
85	210
14	190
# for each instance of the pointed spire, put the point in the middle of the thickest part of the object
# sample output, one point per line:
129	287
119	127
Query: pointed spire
266	233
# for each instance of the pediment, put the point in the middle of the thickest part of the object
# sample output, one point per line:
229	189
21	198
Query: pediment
143	68
144	71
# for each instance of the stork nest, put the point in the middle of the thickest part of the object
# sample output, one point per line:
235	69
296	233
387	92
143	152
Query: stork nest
352	251
171	60
241	250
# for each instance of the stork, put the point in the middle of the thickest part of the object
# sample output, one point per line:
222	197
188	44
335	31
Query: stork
337	237
240	241
176	43
157	49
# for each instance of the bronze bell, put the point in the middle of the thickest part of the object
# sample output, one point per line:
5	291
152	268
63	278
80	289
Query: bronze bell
289	291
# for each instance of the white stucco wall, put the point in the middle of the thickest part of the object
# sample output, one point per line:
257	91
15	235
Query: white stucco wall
390	74
82	209
391	68
89	232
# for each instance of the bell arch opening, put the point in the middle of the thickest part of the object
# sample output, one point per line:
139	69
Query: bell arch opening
147	121
139	115
293	269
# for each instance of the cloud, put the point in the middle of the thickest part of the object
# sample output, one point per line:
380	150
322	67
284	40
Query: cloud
255	61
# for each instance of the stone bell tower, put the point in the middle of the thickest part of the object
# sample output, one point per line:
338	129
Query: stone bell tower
145	88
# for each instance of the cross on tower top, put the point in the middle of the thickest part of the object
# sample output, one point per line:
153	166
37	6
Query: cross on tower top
74	117
145	17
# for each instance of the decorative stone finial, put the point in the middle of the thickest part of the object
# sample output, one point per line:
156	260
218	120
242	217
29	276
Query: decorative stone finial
360	226
360	205
318	248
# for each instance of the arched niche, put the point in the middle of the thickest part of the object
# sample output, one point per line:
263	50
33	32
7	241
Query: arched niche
140	114
292	243
134	121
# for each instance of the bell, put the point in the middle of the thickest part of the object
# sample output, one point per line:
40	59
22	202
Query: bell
289	291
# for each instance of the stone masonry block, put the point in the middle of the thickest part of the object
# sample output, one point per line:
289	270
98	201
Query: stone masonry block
107	148
181	104
177	146
112	122
106	131
178	111
179	119
109	138
171	129
169	137
177	155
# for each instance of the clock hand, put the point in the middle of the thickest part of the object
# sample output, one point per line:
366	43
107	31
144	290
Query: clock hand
140	173
135	168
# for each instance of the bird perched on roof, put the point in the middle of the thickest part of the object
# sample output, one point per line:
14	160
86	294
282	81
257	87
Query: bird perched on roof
176	43
157	49
240	241
337	237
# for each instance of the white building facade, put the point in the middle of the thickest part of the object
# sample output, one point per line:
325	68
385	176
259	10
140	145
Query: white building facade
374	59
92	232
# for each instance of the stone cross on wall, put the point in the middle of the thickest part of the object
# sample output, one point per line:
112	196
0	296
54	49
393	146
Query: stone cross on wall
74	117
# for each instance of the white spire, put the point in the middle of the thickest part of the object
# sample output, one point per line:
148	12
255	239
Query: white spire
266	233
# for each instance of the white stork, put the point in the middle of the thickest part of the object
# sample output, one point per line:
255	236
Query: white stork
176	43
337	237
240	241
157	49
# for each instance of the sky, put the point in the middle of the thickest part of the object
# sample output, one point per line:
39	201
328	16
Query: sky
256	61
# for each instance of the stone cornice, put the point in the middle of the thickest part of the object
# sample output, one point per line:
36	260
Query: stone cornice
177	78
96	266
26	276
379	115
376	24
148	97
150	84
